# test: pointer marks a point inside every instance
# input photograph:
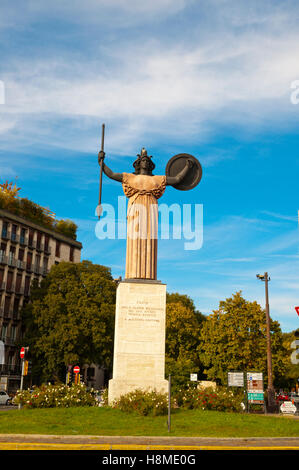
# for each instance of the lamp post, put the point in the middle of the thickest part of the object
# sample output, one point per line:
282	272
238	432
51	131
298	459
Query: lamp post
270	389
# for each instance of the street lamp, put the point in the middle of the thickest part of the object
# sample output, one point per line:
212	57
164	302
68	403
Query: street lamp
271	394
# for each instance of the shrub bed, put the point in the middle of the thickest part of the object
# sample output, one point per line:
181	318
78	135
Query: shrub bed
143	402
220	399
50	396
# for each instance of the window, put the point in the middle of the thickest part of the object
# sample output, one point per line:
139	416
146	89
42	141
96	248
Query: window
4	332
14	232
27	285
31	235
11	256
7	305
9	280
90	373
22	236
29	259
71	253
37	261
46	243
18	282
45	265
2	252
21	254
4	229
57	250
38	240
13	333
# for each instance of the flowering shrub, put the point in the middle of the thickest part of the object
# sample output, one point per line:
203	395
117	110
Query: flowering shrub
50	396
220	399
104	397
143	402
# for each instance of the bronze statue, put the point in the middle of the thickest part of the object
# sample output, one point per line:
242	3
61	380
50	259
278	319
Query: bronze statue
143	190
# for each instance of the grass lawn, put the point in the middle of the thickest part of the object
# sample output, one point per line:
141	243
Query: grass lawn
111	422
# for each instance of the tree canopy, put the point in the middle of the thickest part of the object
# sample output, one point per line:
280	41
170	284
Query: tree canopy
234	338
183	325
70	318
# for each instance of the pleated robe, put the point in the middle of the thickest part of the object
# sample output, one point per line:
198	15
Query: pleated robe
143	192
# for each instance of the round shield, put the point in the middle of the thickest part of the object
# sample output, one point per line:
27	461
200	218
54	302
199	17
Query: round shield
177	163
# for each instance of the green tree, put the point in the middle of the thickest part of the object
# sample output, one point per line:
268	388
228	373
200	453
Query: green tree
289	380
70	318
183	325
234	338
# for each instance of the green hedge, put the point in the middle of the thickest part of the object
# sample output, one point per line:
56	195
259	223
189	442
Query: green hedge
220	399
51	396
145	403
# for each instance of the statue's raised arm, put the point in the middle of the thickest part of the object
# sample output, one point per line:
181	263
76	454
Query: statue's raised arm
173	180
143	189
108	172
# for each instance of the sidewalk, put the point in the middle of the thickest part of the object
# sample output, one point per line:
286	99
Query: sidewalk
67	442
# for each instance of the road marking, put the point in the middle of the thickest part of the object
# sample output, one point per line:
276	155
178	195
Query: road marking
56	446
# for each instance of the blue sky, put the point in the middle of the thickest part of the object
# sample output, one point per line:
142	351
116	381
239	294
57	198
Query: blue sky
210	78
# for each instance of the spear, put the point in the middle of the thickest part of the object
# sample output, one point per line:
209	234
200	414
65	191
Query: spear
99	211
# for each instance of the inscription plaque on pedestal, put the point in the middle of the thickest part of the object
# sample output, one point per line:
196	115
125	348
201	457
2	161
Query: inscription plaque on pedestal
139	343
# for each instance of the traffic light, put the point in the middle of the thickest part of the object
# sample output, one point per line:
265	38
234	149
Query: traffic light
69	377
77	379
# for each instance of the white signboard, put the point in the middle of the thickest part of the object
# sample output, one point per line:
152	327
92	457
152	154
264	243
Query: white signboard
235	379
193	377
254	376
288	407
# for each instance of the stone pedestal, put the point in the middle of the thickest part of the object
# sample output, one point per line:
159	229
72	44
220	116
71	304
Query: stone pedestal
139	342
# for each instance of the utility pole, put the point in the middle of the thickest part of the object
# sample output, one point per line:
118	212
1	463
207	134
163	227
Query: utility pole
270	388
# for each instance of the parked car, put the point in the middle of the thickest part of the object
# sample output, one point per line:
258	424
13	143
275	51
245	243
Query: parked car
4	398
294	397
282	397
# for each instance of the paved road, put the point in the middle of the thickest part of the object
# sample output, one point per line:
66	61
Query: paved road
66	442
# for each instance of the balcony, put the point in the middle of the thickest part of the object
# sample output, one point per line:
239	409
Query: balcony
47	250
6	314
11	261
26	291
23	240
10	287
3	258
14	238
29	268
31	243
20	264
16	315
19	290
9	341
5	234
40	247
36	269
9	369
44	271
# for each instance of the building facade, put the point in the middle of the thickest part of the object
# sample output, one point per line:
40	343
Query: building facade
27	252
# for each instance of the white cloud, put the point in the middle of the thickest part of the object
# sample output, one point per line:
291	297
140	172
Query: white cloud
174	87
